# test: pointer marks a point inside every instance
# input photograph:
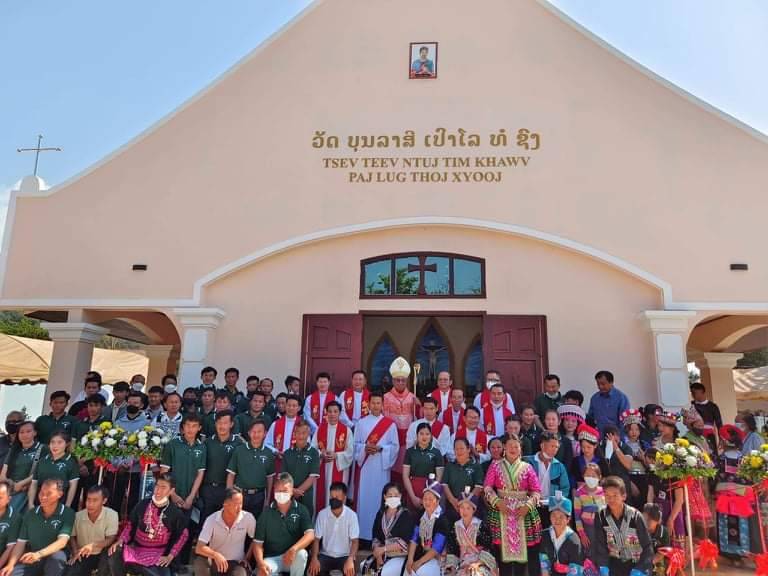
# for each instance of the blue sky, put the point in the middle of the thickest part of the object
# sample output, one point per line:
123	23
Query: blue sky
90	75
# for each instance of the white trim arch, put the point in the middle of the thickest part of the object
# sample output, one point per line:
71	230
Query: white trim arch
414	221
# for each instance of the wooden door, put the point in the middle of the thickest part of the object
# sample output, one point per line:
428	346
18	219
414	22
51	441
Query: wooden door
331	343
516	346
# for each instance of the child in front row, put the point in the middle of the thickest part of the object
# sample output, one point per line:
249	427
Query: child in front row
659	536
588	501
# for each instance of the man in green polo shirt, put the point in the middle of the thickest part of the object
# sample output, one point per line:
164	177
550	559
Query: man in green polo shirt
256	410
283	533
10	521
219	449
302	462
58	419
185	458
221	404
252	468
44	534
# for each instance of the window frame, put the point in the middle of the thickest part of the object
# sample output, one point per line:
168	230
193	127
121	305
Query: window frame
426	254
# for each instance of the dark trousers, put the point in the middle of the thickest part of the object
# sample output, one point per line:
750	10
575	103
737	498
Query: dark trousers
206	567
85	566
254	502
120	568
53	565
213	498
544	514
124	490
328	563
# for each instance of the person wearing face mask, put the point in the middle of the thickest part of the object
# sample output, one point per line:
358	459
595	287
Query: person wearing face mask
550	399
492	377
169	383
392	529
710	414
12	422
752	440
588	499
128	470
336	536
138	381
699	493
283	533
552	474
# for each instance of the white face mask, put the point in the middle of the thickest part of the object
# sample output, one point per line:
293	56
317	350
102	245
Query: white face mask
392	501
552	395
591	482
138	386
170	388
282	497
489	383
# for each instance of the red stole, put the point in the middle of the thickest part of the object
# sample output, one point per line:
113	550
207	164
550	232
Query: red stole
485	398
278	439
339	445
448	419
437	427
316	411
490	422
481	439
349	402
373	438
439	398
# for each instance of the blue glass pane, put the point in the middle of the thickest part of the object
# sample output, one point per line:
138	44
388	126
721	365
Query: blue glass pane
383	356
407	282
473	369
376	278
437	282
432	354
467	277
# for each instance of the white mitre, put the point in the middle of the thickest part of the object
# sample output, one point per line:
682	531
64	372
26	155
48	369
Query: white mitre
400	368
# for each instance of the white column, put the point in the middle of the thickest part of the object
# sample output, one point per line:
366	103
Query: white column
670	335
72	354
717	376
197	341
158	355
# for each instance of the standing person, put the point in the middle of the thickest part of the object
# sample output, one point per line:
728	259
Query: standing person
231	376
512	492
137	385
401	406
355	399
552	474
10	522
91	386
453	416
622	545
442	394
747	424
618	455
422	465
126	481
336	536
278	406
207	402
221	546
392	530
218	453
551	421
477	438
669	497
336	444
710	414
632	420
252	468
302	462
589	439
441	434
607	404
170	418
495	451
376	449
574	398
207	380
282	432
314	407
12	422
464	472
698	493
283	533
529	432
589	499
571	417
293	386
57	419
430	536
19	466
57	464
550	399
95	530
492	377
221	404
43	536
267	386
154	403
470	551
153	537
494	412
561	551
89	475
650	429
251	387
170	384
116	408
659	537
255	411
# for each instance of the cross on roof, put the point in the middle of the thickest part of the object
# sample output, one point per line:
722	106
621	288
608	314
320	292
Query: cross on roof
37	149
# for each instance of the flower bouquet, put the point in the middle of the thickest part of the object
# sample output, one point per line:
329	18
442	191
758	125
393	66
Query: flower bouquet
103	445
683	460
753	467
147	444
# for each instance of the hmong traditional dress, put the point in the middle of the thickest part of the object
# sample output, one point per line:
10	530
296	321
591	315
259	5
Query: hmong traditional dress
518	485
561	555
622	545
586	505
698	493
431	533
393	533
737	528
471	553
664	496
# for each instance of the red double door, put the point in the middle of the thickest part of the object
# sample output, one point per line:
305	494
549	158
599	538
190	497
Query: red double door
516	346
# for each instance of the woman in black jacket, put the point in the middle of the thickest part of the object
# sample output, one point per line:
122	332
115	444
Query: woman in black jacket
392	530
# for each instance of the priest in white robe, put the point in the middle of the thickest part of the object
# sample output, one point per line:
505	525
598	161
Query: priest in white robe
335	442
376	450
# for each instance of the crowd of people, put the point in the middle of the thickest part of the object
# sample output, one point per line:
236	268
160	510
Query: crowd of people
431	486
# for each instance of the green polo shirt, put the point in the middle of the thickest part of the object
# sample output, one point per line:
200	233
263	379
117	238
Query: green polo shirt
47	425
65	468
82	428
301	463
456	476
185	461
243	421
542	403
277	533
39	531
22	466
251	466
10	524
218	456
423	462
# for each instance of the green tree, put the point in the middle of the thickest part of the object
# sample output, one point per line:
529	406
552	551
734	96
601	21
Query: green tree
16	324
754	359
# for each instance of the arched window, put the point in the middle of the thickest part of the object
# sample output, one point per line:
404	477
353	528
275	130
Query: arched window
422	275
384	353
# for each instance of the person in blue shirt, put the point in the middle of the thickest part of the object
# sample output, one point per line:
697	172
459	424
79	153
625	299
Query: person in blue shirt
423	66
607	404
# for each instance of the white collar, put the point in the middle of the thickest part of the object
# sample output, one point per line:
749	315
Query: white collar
558	541
438	511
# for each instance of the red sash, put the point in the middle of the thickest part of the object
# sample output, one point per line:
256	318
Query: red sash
316	410
349	402
278	439
437	427
339	445
481	439
373	438
439	398
490	422
485	398
448	419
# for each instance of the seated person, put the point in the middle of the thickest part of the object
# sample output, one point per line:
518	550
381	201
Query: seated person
430	535
94	532
154	535
659	536
392	530
225	537
560	551
336	536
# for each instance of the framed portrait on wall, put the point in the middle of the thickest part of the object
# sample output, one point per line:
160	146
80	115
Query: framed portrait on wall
422	60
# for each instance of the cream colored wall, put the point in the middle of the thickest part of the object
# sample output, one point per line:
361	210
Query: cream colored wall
627	166
593	312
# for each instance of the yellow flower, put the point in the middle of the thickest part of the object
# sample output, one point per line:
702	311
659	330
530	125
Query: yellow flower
683	442
658	456
105	425
756	461
764	447
706	457
667	459
148	428
132	439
